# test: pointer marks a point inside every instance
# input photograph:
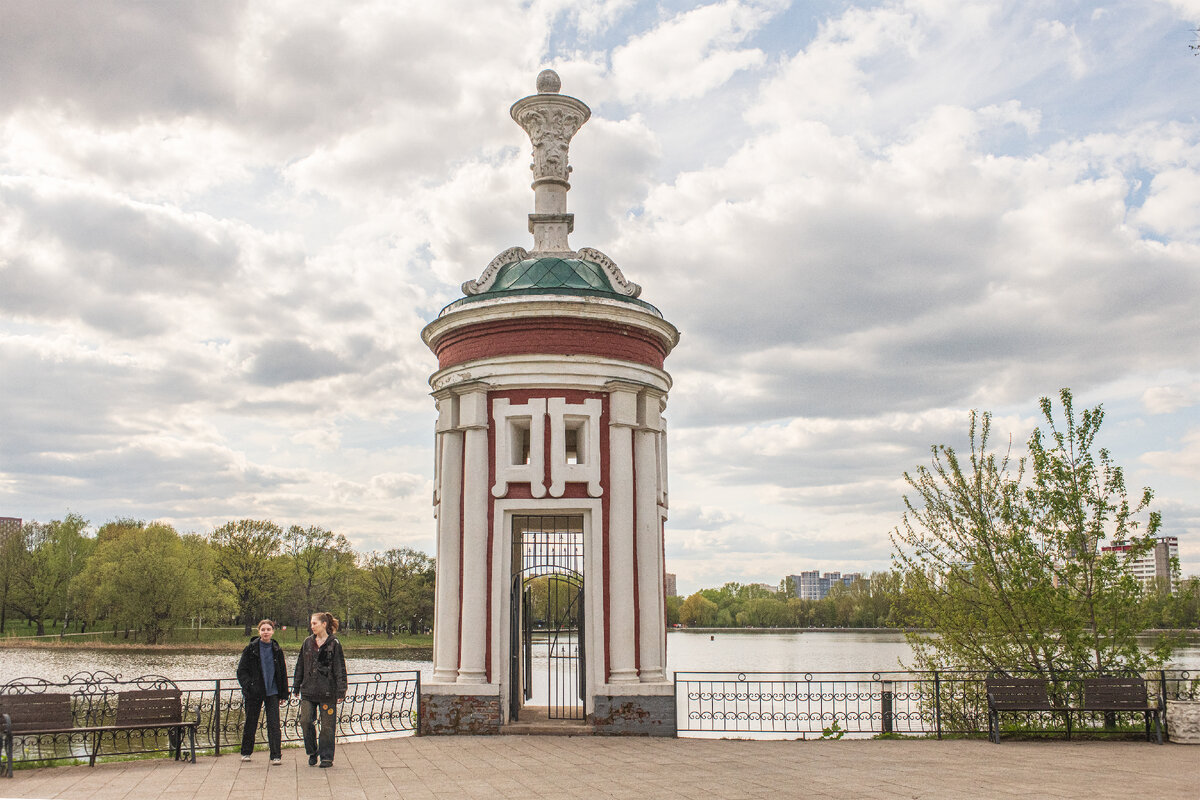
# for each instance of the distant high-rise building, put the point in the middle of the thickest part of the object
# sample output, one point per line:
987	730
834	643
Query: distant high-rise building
1155	564
9	526
812	585
669	584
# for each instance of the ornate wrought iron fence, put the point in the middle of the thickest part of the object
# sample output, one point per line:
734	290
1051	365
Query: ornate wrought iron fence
376	704
813	704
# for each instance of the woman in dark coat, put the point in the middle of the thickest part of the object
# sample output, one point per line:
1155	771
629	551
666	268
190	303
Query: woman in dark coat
320	681
262	674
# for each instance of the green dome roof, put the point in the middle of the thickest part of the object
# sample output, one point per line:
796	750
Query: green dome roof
551	275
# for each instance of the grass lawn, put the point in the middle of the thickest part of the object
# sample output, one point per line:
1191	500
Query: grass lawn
206	639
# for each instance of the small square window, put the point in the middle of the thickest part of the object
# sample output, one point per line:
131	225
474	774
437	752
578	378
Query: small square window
518	438
572	445
575	436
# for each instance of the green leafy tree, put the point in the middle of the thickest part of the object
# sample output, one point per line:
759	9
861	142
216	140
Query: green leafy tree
674	602
150	579
245	557
698	611
12	548
48	557
1003	560
316	566
764	612
399	583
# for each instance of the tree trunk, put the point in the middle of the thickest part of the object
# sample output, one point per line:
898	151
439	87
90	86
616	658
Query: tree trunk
41	627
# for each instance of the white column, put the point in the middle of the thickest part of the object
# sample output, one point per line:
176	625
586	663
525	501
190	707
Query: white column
651	623
447	611
473	420
622	410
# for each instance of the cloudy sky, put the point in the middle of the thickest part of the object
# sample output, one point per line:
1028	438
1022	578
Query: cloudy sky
223	226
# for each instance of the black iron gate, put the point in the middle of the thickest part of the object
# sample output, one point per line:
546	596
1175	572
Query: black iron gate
546	615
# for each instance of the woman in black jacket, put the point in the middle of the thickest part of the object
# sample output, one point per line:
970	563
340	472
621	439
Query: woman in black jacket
320	681
262	674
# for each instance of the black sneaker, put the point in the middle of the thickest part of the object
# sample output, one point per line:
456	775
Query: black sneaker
312	761
326	764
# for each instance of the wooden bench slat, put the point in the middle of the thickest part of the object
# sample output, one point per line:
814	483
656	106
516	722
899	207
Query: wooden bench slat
149	706
1115	694
37	711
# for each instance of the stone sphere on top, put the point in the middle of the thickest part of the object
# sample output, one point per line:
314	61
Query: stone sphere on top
548	82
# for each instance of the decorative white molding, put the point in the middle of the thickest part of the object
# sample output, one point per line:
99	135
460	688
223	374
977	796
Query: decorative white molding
485	281
509	420
615	276
585	418
550	121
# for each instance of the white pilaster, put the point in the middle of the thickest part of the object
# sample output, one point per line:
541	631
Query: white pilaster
449	494
651	620
622	411
473	420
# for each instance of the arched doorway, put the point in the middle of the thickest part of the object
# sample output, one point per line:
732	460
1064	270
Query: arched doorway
547	644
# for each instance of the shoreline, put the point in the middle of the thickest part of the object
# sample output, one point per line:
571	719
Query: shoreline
406	652
1147	632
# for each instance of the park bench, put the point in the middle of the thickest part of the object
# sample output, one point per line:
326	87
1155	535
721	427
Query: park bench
1122	694
1101	695
1006	694
53	713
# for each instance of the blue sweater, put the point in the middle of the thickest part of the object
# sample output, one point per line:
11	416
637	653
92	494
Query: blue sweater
267	657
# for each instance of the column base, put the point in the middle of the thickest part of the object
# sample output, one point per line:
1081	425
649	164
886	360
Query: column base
455	709
646	709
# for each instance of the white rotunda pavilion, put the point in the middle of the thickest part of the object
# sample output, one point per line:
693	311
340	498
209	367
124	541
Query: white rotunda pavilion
551	478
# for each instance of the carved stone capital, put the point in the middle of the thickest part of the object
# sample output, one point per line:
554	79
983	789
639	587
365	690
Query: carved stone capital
550	120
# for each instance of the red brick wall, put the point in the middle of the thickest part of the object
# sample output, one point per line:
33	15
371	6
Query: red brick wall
550	336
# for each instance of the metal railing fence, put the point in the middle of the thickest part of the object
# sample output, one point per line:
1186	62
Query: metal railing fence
376	704
858	704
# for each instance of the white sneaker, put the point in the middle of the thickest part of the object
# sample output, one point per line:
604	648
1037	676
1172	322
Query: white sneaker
245	758
276	762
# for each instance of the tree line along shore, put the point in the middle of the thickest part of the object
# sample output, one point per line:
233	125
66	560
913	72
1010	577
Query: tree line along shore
146	582
1002	560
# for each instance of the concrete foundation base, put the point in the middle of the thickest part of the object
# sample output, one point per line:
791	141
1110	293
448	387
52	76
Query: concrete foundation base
451	709
634	710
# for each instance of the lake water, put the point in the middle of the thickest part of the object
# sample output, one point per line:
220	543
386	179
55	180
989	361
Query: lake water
703	651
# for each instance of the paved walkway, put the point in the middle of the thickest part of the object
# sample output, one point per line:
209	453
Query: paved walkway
498	767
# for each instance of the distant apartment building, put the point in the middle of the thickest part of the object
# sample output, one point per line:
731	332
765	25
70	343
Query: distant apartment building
1154	564
9	526
812	585
669	584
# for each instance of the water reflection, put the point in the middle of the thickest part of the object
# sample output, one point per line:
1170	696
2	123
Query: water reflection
17	662
818	651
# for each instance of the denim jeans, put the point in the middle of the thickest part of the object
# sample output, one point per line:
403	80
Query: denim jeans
325	715
250	729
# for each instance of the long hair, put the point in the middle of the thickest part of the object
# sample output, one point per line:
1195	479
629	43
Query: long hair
331	622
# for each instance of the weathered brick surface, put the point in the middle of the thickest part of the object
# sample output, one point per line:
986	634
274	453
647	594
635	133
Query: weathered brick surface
652	715
450	714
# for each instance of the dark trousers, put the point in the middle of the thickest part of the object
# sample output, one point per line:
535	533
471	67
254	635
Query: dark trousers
274	739
325	715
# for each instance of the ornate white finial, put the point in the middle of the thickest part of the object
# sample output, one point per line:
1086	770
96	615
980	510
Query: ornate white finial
550	119
548	82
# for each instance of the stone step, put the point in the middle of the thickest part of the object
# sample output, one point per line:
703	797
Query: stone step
535	721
